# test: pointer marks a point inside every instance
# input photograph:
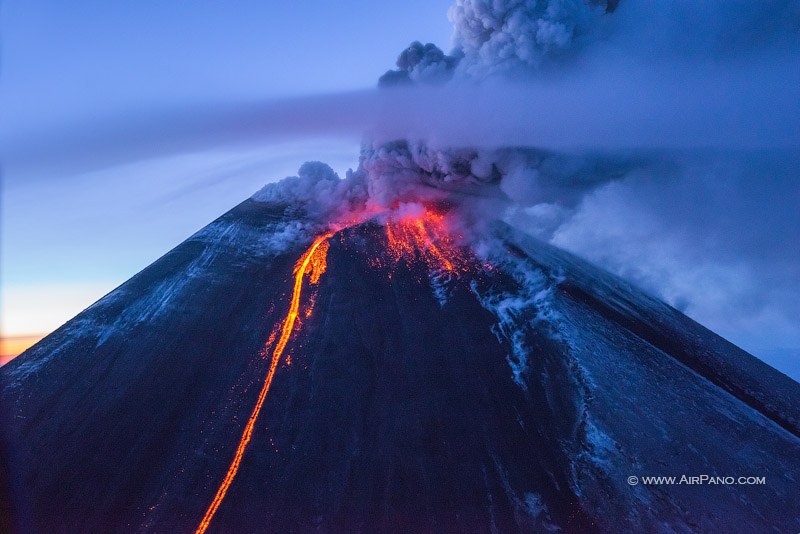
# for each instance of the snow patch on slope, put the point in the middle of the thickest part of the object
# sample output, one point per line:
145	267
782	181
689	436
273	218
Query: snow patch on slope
529	305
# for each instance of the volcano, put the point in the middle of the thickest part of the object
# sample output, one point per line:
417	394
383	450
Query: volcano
384	377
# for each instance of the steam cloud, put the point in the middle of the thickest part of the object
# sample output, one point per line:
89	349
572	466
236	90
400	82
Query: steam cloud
706	230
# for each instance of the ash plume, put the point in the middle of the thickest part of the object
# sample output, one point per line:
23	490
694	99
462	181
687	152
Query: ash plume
512	35
422	64
599	203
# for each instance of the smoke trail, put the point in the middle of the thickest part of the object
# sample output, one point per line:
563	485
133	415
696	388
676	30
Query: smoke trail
706	230
606	107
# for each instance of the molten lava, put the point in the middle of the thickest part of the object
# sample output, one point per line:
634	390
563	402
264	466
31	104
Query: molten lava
312	263
424	235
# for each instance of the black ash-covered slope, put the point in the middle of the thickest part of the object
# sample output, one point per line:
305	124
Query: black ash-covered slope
513	399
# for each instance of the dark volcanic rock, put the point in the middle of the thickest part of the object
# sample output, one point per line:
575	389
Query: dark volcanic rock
399	411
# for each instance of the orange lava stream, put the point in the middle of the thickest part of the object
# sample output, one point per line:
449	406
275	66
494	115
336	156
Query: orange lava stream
421	231
424	236
312	263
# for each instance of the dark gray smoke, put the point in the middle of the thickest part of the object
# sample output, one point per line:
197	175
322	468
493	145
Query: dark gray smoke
512	35
711	231
420	64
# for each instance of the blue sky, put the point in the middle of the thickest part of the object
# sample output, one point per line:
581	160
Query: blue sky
98	100
70	234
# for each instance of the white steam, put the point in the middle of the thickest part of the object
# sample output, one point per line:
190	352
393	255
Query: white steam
316	191
666	94
714	236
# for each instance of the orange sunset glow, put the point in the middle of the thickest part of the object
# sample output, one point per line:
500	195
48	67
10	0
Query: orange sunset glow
13	346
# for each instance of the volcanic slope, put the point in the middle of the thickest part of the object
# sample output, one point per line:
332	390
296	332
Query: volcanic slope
420	389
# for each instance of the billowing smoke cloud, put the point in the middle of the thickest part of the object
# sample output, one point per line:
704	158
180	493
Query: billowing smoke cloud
519	37
500	37
317	192
515	35
709	231
712	234
420	63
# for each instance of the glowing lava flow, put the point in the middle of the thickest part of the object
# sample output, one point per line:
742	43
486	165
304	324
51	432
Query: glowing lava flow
424	235
313	263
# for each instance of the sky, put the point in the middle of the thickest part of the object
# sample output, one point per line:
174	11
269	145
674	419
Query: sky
127	126
72	232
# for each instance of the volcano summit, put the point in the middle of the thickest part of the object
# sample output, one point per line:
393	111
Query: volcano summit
390	374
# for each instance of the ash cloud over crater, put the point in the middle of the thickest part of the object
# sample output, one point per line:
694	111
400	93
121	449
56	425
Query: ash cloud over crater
710	231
